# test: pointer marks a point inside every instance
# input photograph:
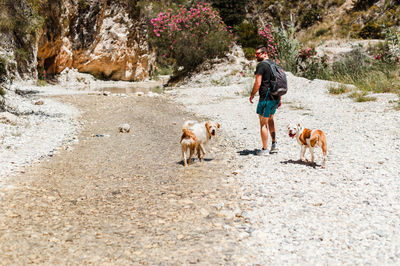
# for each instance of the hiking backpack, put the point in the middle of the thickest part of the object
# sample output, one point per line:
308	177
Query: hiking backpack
278	80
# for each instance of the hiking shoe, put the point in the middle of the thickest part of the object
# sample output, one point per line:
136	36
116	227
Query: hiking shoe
274	148
262	152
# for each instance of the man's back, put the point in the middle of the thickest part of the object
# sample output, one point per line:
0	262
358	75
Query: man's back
264	69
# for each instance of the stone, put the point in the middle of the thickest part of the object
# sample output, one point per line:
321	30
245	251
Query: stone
124	128
8	118
220	206
204	212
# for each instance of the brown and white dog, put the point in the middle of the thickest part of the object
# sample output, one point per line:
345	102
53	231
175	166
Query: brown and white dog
309	139
195	136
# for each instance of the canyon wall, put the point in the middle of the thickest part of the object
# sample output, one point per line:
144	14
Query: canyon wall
107	39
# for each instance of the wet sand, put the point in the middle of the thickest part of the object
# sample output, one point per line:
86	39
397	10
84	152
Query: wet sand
124	198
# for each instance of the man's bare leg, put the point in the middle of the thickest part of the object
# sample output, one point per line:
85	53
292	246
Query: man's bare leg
264	131
271	127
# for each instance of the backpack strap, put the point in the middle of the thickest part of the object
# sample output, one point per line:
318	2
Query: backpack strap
266	95
272	67
273	72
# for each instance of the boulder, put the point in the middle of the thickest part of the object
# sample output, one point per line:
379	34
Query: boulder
124	128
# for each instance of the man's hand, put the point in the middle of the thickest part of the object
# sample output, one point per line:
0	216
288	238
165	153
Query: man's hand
256	87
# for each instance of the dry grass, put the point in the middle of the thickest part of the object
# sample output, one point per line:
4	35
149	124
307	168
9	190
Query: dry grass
361	97
336	90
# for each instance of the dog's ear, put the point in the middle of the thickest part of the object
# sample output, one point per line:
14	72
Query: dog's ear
208	125
218	125
298	125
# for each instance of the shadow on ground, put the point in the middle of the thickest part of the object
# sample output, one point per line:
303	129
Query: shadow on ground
248	152
300	163
193	160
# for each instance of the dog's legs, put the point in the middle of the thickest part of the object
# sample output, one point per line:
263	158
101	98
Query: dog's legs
198	152
201	147
190	155
324	149
312	155
302	152
184	156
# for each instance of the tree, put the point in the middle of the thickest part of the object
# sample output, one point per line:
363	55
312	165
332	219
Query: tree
231	12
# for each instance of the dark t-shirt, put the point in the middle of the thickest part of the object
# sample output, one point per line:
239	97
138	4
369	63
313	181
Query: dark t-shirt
264	69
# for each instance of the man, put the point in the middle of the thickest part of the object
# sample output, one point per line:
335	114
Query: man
267	104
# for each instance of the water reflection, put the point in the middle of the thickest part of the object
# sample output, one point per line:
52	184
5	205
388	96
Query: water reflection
126	90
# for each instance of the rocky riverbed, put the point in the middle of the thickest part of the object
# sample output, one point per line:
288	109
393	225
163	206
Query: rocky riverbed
124	198
106	197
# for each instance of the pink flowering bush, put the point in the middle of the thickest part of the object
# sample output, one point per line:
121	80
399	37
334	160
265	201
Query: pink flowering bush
387	56
389	51
306	53
311	66
270	44
189	36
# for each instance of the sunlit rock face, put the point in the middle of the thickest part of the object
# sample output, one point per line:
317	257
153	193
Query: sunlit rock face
18	39
103	38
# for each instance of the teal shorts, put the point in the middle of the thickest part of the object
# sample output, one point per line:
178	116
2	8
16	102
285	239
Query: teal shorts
266	108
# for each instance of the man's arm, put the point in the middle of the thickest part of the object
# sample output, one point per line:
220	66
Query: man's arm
256	86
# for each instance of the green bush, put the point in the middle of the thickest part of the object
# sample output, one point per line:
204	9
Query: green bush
22	54
336	3
82	4
287	48
314	68
3	69
247	35
362	4
134	8
3	78
321	32
2	91
386	54
392	39
162	70
371	31
249	52
231	12
2	99
41	83
354	65
366	73
310	16
7	25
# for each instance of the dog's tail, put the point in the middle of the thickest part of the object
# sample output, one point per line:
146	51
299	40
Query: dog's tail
188	134
188	124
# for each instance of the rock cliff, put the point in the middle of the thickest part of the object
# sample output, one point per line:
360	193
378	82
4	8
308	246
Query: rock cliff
105	38
18	44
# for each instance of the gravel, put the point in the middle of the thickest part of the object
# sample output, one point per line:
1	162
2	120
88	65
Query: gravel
348	213
34	131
